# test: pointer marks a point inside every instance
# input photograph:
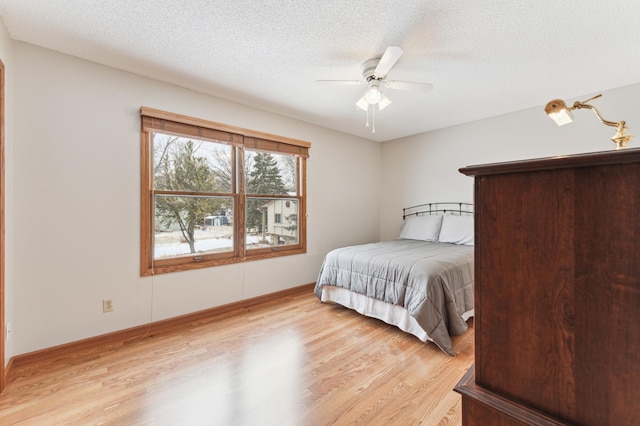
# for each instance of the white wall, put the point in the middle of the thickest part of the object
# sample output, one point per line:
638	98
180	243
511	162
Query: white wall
6	55
76	186
424	168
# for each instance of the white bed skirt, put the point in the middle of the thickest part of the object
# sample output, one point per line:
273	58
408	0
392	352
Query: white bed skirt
391	314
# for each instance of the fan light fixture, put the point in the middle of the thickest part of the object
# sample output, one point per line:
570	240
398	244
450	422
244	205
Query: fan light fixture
372	97
374	74
558	111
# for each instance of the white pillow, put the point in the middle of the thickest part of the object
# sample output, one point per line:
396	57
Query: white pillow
457	230
425	227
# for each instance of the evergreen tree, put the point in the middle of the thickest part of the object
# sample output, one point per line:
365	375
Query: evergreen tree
292	220
264	178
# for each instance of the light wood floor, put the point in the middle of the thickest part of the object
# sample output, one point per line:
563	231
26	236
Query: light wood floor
294	361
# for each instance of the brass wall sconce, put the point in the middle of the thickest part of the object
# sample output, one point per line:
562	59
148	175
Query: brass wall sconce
558	111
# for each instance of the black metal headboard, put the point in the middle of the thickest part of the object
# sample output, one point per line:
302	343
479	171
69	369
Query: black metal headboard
438	208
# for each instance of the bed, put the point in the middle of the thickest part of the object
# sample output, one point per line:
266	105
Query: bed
420	282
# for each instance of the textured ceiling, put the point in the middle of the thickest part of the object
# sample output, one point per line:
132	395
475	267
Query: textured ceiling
484	58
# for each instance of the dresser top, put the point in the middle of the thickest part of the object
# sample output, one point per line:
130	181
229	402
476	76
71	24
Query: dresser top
623	156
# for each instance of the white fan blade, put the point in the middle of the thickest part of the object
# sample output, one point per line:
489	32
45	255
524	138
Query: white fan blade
388	60
341	82
408	85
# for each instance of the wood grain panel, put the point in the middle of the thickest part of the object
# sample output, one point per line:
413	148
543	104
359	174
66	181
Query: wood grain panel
557	290
607	359
523	283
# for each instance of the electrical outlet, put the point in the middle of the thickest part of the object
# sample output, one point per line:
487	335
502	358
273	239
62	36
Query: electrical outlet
107	305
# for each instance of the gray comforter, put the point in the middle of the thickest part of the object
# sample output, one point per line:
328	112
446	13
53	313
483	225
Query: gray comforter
432	281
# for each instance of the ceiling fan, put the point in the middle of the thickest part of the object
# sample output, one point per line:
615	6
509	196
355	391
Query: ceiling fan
374	73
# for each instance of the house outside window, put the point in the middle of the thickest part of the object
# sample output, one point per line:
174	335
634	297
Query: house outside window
214	194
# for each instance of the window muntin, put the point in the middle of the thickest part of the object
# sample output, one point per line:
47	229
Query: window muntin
203	187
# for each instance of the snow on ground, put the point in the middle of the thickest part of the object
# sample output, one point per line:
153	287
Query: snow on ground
202	246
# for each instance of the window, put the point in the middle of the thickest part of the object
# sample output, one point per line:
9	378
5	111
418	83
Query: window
213	194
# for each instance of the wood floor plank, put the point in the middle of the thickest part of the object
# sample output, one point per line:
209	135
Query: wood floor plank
293	361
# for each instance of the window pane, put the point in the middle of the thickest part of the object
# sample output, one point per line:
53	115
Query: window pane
263	228
186	226
270	173
183	164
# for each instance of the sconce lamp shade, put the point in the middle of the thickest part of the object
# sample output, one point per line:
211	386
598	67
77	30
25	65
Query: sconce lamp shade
558	112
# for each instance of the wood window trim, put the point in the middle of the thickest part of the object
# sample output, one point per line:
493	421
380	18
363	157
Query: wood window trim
212	125
181	125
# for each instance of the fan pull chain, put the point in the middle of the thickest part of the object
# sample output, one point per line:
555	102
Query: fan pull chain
373	117
367	125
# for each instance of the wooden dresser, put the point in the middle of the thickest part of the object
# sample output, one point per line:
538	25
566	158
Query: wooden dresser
557	292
